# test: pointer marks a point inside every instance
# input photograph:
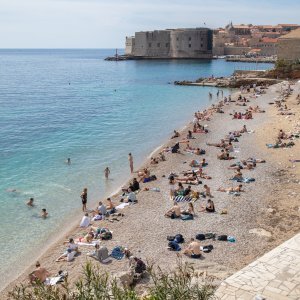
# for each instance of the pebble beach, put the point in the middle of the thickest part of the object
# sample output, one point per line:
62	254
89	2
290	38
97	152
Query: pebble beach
261	218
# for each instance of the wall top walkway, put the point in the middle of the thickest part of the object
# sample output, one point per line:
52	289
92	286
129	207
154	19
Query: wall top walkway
274	276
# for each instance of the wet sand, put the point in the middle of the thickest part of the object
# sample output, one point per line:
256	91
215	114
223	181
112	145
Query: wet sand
270	203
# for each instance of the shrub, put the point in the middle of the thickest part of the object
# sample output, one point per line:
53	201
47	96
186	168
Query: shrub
180	284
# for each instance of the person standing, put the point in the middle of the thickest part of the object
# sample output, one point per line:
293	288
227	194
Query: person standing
130	159
84	199
106	172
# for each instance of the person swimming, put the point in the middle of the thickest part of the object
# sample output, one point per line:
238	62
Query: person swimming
68	161
30	202
44	213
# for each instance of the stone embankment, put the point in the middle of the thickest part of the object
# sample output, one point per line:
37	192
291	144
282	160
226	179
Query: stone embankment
238	79
252	59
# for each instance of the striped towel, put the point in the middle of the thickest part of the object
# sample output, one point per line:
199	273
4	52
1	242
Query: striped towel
183	198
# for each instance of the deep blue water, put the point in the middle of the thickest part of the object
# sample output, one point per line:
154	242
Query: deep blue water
56	104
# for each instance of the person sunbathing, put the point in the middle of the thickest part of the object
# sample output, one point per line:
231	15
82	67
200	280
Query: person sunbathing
206	192
110	207
244	165
244	129
210	207
153	161
255	160
145	174
237	189
187	178
179	190
67	256
229	147
199	129
131	197
161	156
222	144
193	249
175	135
224	155
100	254
238	175
199	172
190	211
39	274
174	212
282	135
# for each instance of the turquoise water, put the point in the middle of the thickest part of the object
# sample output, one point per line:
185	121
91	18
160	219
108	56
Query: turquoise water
56	104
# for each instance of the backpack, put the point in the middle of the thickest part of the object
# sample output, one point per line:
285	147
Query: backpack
222	238
200	237
178	238
170	238
106	235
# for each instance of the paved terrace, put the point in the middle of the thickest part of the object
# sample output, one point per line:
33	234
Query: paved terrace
274	276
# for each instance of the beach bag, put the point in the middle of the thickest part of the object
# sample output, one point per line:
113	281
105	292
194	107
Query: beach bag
222	238
179	238
207	249
200	237
209	235
170	238
231	239
202	151
187	217
153	177
107	235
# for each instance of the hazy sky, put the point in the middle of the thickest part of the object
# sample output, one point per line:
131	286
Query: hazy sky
105	23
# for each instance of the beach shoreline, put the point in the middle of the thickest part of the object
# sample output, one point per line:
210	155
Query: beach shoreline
217	129
71	227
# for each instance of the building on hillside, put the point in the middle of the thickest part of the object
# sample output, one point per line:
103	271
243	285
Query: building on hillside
268	46
289	27
171	43
289	46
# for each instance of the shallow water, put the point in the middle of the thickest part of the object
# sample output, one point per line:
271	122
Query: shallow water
71	103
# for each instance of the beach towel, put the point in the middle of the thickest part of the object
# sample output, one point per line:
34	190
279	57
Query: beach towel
246	180
180	198
122	205
93	243
117	253
53	280
187	217
234	193
97	218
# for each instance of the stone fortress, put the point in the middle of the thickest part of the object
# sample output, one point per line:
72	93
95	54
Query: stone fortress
171	43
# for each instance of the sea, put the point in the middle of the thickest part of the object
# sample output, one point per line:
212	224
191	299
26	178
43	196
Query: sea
57	104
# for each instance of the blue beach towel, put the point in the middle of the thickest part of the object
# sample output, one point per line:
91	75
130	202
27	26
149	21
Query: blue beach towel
117	253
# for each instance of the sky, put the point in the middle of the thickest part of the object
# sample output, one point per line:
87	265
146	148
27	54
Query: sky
106	23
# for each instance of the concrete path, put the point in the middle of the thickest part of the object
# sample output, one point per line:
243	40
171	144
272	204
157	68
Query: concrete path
274	276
